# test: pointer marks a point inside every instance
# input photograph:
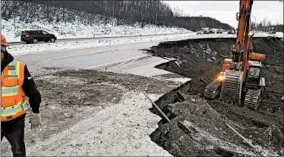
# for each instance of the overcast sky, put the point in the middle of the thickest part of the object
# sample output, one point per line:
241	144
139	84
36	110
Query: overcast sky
225	11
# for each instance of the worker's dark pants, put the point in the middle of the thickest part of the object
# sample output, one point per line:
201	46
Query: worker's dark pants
14	132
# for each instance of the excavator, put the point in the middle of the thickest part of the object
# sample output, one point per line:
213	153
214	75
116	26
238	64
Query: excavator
240	81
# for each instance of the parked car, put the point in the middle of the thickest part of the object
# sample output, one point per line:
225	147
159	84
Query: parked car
34	36
219	31
211	32
231	32
205	32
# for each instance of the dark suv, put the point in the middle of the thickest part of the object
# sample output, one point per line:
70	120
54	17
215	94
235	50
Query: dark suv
34	36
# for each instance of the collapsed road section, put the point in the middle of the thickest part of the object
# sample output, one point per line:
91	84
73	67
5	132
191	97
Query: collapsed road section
201	127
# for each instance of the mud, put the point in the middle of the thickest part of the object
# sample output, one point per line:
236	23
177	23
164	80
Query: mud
200	60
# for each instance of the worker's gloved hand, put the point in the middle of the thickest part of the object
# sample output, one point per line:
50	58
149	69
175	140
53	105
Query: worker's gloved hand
35	120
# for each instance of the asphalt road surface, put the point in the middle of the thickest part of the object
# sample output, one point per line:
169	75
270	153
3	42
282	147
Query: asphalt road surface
90	58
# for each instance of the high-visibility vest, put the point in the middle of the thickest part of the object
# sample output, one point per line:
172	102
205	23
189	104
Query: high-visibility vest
13	102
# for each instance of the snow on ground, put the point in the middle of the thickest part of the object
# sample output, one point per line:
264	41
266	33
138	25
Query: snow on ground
265	34
12	29
119	130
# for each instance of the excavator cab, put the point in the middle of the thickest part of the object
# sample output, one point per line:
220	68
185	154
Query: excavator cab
253	78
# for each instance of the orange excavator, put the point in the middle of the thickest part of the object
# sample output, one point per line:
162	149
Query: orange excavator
240	81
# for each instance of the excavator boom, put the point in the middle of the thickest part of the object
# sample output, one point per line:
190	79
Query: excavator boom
242	40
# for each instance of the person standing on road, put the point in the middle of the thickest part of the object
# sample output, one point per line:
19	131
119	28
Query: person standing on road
17	84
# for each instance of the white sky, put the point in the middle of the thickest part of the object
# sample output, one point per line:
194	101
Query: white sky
225	11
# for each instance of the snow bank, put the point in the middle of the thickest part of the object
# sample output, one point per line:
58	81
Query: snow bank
12	29
279	34
265	34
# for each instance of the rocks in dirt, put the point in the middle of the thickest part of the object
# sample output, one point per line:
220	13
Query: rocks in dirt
52	107
185	49
68	115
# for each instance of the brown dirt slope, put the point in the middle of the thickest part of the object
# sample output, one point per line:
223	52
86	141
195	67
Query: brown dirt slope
201	60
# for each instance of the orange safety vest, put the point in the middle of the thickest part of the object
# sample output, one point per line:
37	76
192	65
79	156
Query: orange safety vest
14	102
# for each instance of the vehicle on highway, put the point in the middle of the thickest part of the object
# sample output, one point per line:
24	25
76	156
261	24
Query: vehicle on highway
211	32
232	31
202	32
219	31
34	36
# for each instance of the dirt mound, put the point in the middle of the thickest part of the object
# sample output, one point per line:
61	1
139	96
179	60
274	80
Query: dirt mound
194	118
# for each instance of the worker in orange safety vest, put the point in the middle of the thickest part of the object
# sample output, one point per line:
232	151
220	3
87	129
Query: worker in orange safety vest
17	85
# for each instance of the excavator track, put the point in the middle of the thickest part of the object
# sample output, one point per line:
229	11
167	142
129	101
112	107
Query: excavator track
252	98
212	90
231	88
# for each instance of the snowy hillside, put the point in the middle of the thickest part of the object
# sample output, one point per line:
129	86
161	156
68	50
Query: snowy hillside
78	30
68	23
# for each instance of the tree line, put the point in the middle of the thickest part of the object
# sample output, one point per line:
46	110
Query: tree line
265	25
130	11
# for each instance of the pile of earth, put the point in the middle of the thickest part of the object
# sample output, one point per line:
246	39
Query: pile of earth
200	127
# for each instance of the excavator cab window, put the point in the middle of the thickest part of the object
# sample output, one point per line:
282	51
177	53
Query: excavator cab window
254	72
253	77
